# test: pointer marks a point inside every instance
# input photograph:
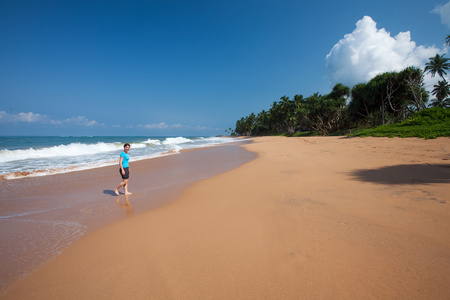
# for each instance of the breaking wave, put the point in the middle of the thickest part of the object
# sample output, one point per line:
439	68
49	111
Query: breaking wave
75	156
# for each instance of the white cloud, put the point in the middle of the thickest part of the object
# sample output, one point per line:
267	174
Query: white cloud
28	117
369	51
81	121
163	125
38	118
77	121
444	12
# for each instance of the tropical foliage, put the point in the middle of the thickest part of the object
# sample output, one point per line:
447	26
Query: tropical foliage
428	123
321	113
388	98
440	65
437	65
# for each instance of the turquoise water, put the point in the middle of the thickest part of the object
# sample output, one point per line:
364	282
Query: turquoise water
24	156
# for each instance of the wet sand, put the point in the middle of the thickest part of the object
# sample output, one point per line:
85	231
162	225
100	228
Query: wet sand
310	218
41	216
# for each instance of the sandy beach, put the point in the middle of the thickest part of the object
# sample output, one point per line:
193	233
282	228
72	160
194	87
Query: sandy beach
41	216
309	218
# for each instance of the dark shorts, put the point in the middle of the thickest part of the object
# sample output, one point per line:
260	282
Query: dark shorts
127	173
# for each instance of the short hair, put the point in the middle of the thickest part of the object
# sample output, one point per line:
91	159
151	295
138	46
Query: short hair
126	145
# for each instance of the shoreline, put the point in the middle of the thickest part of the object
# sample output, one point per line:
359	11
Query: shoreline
42	216
316	217
172	145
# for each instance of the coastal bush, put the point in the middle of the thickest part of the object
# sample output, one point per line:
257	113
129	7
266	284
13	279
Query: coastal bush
428	123
434	115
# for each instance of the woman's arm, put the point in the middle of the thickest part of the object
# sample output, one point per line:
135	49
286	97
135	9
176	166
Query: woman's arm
120	164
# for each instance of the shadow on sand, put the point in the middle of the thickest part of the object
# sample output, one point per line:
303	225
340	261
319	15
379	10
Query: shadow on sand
405	174
109	192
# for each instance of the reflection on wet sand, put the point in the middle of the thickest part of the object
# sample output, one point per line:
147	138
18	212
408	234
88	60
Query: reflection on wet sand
125	204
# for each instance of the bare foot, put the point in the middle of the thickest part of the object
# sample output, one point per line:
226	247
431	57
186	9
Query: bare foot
117	192
128	193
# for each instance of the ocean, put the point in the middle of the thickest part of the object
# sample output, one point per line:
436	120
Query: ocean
24	156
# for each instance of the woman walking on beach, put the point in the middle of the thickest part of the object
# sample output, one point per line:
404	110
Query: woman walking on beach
124	170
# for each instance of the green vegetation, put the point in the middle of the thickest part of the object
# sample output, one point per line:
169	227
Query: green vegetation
390	104
429	123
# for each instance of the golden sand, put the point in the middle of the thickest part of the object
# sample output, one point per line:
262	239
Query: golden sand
310	218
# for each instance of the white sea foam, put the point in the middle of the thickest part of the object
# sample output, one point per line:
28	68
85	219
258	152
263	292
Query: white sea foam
176	149
136	145
78	156
176	141
74	149
152	142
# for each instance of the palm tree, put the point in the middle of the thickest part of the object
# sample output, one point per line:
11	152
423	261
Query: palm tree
441	91
441	103
447	40
438	64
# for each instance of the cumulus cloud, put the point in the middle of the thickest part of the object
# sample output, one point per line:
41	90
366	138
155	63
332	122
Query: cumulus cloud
163	125
43	119
369	51
28	117
79	121
444	12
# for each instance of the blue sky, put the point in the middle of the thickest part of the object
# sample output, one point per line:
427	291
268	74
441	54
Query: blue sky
193	67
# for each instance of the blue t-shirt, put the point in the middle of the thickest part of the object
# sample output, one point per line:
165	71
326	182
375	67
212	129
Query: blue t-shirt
126	157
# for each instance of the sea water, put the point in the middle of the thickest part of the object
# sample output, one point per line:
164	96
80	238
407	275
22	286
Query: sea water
23	156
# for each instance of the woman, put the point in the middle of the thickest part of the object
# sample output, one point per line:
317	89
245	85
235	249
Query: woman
124	170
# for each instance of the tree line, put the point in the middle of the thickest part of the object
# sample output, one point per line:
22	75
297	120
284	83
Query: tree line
387	98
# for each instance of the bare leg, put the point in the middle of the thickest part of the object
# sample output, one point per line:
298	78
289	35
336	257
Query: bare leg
126	187
122	184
